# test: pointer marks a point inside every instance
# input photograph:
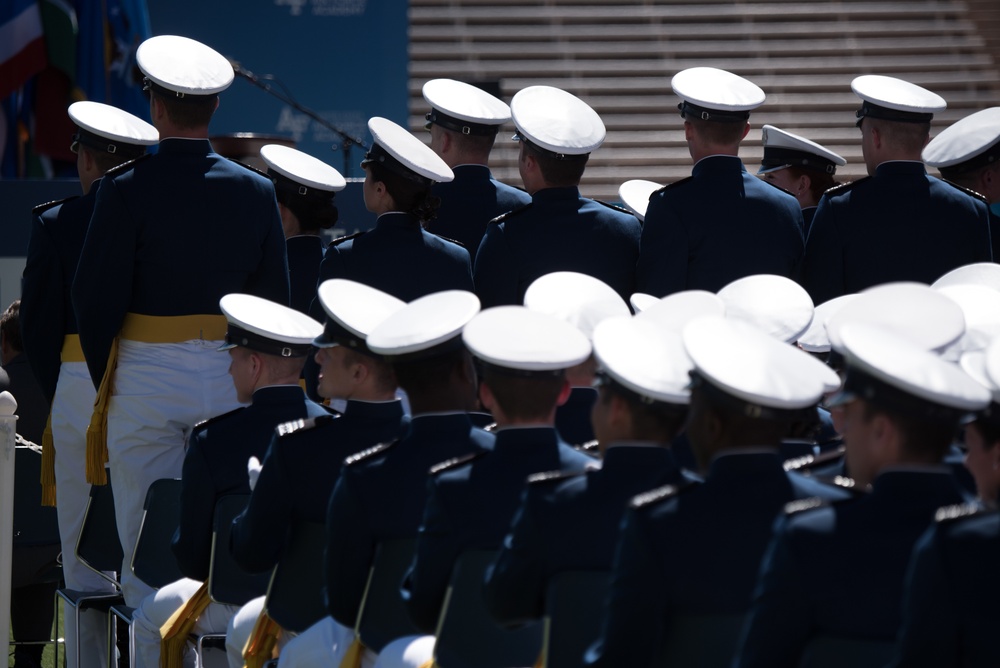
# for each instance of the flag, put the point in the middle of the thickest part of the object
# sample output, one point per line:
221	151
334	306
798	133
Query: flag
22	47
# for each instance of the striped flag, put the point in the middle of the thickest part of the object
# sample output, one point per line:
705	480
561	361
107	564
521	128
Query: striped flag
22	48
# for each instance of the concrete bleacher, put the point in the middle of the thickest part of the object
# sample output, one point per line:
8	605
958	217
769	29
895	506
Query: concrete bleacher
620	56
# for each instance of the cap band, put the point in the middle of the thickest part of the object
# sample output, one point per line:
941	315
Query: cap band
162	91
381	156
604	379
483	366
704	113
237	336
287	186
748	409
876	111
105	145
550	154
987	157
336	335
859	384
782	157
438	117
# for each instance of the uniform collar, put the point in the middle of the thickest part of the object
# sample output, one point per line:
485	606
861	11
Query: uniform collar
740	463
713	164
374	409
273	394
918	485
556	194
184	145
897	167
397	219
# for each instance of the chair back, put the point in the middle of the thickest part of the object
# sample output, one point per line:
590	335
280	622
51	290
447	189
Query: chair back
153	560
574	604
383	616
467	636
98	546
227	582
829	652
702	640
295	595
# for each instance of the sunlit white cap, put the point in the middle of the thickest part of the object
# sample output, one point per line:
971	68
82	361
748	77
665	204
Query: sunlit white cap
428	325
179	66
635	194
981	307
640	301
108	129
353	310
984	366
967	145
980	273
774	304
558	122
579	299
401	153
518	339
784	149
712	94
301	168
676	310
914	311
267	327
464	108
644	358
815	339
895	100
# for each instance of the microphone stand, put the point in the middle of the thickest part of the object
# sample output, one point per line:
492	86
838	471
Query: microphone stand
346	140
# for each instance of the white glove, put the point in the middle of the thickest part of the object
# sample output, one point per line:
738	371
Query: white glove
253	471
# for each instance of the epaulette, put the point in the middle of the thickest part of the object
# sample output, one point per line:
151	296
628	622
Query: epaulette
660	493
368	453
449	239
253	169
957	512
125	166
510	214
491	427
968	191
552	476
302	424
204	423
849	484
844	187
42	208
775	185
590	447
455	462
340	240
806	462
670	185
802	505
615	207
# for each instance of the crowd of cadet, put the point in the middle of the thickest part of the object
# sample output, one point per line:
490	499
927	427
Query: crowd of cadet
758	411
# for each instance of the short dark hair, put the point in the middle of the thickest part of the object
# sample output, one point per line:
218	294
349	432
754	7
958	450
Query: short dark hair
819	182
385	377
191	112
923	439
409	196
656	421
427	376
524	397
10	326
907	136
313	214
558	173
718	132
105	161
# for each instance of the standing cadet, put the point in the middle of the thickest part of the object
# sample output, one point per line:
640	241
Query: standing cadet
267	345
463	122
800	166
899	224
901	407
558	230
150	329
305	187
106	137
722	223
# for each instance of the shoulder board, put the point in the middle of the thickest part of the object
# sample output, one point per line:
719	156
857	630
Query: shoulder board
849	484
42	208
956	512
590	447
614	206
844	187
660	493
340	240
251	168
455	462
491	427
775	185
802	505
671	185
368	453
454	241
217	418
510	214
553	476
302	424
125	166
967	191
806	462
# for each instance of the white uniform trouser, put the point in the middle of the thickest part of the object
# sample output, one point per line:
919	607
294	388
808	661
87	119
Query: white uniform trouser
71	409
156	609
322	644
161	391
406	652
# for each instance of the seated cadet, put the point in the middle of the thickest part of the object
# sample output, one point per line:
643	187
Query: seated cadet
463	122
949	606
380	493
568	521
799	166
901	409
915	227
305	456
747	389
583	301
559	230
722	223
268	344
471	500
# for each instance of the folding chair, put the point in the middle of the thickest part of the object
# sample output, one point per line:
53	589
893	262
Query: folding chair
294	595
574	602
702	640
98	549
832	652
467	636
382	616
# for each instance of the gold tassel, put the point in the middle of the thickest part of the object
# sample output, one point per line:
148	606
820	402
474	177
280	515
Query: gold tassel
97	430
429	664
352	658
262	643
48	475
174	634
540	661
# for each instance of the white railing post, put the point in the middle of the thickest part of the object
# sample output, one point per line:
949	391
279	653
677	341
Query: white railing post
8	431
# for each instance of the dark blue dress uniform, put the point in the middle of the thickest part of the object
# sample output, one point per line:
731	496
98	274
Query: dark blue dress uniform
471	201
898	225
950	606
305	253
721	224
694	550
573	417
380	496
558	231
298	474
400	258
57	233
170	235
215	465
861	547
808	214
569	522
470	505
